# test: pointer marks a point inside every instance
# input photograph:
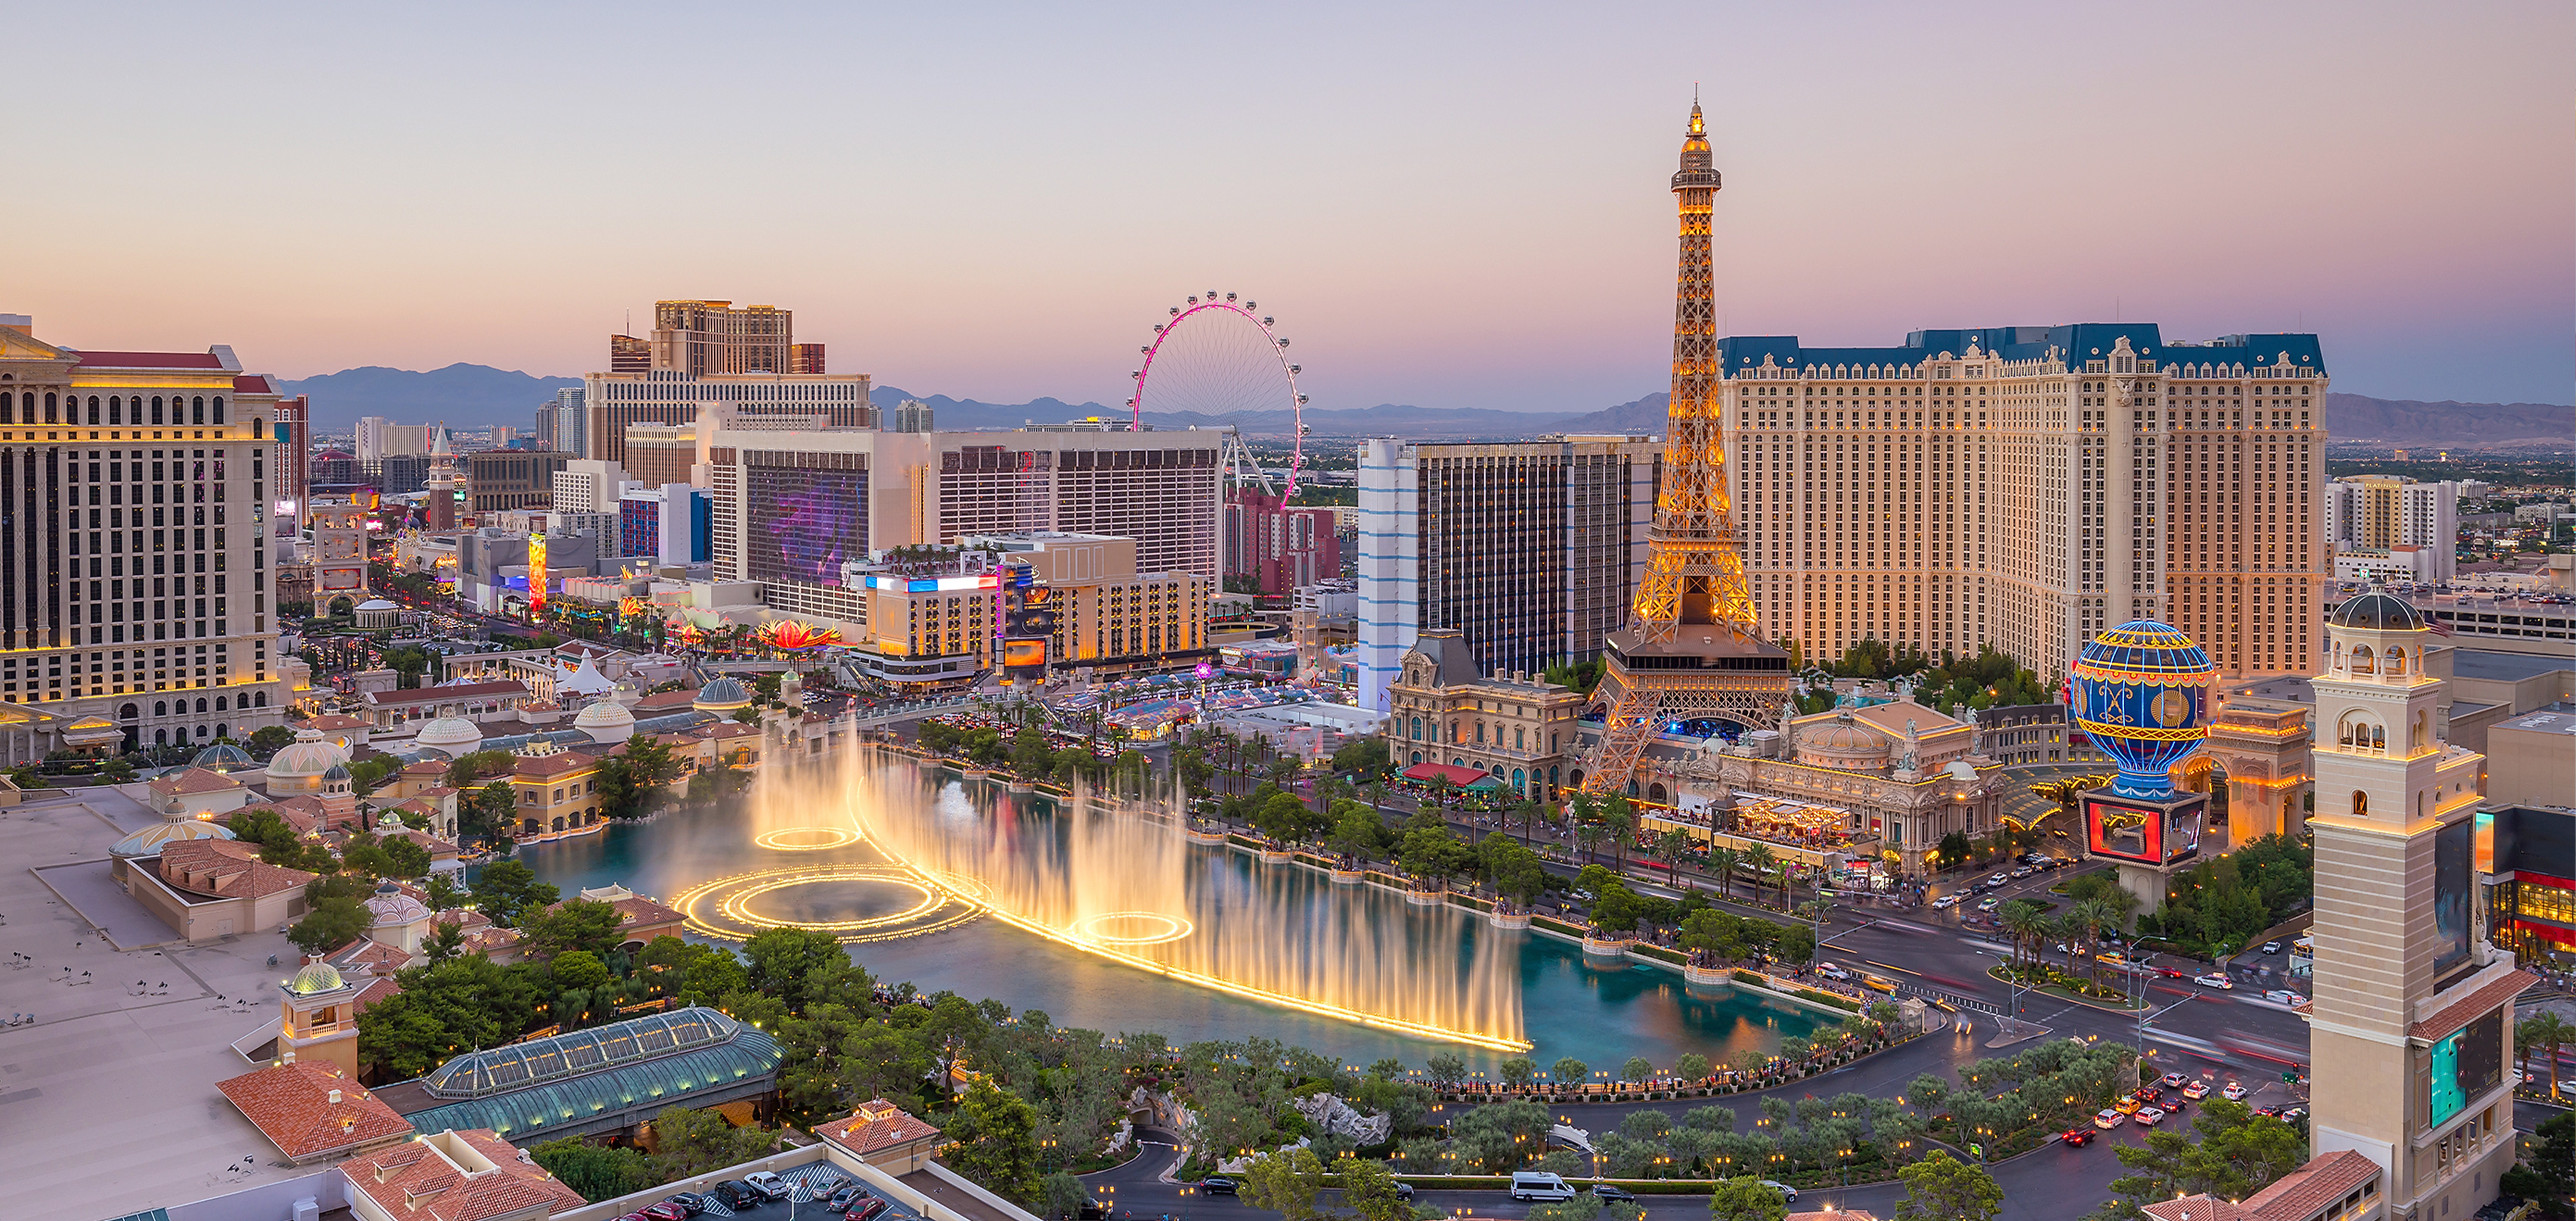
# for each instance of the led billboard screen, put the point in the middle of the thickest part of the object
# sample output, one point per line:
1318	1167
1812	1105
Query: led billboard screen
801	524
2453	853
2464	1065
2145	834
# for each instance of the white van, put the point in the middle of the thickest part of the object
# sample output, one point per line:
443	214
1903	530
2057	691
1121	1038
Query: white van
1540	1185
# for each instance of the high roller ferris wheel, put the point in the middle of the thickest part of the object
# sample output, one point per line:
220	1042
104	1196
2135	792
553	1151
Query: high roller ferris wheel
1220	357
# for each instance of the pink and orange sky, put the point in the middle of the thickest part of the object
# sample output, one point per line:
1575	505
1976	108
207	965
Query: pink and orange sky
1452	206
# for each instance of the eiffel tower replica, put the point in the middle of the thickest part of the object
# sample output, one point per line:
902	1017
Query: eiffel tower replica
1692	648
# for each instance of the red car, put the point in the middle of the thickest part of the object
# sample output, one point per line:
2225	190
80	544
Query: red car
2077	1137
866	1211
664	1211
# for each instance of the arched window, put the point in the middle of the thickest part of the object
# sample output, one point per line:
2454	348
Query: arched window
219	409
2360	802
2397	663
2363	661
201	705
197	414
156	409
128	712
93	410
1417	729
49	410
222	730
263	700
1520	781
160	708
219	703
2378	738
1453	732
1417	756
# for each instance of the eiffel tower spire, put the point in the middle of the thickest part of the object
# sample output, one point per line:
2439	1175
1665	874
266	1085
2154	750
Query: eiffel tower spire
1692	646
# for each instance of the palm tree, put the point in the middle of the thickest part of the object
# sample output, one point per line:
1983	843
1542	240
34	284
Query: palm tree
2022	919
2550	1031
1762	859
1723	861
1671	845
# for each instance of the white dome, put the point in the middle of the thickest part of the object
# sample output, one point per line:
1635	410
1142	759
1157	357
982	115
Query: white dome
452	734
606	721
150	840
300	763
393	908
377	604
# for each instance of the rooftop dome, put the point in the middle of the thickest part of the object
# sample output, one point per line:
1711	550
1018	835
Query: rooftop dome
2140	691
1841	743
316	976
301	762
452	734
222	757
722	695
2378	612
627	691
377	604
150	840
391	907
337	771
606	721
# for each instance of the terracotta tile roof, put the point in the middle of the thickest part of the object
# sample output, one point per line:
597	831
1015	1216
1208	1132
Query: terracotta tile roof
561	763
363	957
466	1175
439	695
291	1105
668	701
150	360
2300	1194
193	780
225	869
332	720
2199	1208
727	729
373	992
2470	1008
305	814
464	918
640	912
426	767
877	1125
254	383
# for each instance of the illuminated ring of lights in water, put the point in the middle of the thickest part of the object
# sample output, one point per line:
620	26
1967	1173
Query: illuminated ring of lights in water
780	840
1106	928
724	907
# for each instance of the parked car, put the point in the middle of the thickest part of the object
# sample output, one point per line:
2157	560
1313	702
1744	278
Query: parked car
736	1194
2215	980
2196	1091
2077	1137
663	1211
845	1199
2234	1092
1608	1192
866	1211
1217	1186
767	1183
2108	1118
689	1201
2151	1116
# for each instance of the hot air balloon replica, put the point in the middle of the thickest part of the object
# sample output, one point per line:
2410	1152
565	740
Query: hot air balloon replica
2141	692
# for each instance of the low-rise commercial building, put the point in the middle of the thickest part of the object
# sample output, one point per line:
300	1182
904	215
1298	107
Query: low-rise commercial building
1441	709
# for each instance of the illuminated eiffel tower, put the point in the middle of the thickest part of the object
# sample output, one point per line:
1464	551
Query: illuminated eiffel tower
1692	648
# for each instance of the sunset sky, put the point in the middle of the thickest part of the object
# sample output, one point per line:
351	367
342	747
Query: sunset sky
1451	206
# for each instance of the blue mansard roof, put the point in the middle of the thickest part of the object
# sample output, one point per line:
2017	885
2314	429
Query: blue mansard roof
2074	344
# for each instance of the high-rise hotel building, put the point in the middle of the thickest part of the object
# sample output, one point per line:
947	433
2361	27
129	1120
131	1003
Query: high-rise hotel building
134	558
1530	550
2030	486
704	353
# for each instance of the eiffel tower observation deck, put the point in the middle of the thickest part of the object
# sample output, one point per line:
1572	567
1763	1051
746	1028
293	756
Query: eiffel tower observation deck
1692	648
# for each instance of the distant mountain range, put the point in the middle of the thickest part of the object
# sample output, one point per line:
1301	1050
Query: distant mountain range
478	396
463	395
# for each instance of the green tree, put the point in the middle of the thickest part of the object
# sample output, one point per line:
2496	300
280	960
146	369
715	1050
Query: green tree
505	889
578	969
692	1142
444	893
596	1171
404	858
574	924
335	921
269	741
2549	1031
446	940
1369	1189
1943	1188
1285	1182
1570	1071
1638	1068
1061	1196
1746	1198
800	967
995	1142
2549	1174
1692	1067
1517	1072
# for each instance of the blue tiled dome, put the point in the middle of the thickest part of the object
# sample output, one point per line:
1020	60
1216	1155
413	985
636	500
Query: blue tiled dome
2139	693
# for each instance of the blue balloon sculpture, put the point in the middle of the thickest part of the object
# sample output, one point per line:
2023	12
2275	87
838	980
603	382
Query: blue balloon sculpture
2139	693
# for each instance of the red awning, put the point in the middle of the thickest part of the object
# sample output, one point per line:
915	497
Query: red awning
1425	773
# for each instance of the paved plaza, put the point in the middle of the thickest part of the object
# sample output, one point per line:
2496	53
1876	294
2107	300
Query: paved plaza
126	1045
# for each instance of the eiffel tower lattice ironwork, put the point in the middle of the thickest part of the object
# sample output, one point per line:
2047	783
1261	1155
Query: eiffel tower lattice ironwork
1692	646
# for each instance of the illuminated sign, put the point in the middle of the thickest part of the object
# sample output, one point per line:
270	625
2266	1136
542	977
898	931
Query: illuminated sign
1018	653
2451	896
2486	842
932	585
2146	834
2463	1066
536	574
